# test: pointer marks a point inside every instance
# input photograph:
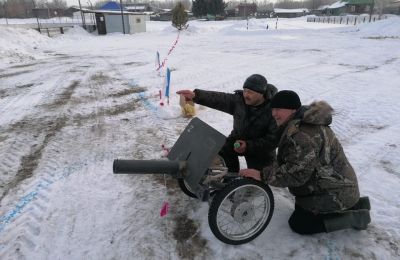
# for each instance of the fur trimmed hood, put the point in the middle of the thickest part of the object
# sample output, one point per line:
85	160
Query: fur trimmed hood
318	113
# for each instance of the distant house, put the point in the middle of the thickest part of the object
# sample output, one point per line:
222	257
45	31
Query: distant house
321	9
264	13
46	13
138	7
230	12
109	19
166	16
350	7
70	10
394	7
290	13
112	6
246	9
336	8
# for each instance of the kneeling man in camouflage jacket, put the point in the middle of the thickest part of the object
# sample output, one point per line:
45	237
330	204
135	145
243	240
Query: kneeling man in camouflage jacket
312	164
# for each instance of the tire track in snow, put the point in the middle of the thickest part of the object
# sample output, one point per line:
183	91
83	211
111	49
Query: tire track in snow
66	142
37	110
39	75
29	166
33	204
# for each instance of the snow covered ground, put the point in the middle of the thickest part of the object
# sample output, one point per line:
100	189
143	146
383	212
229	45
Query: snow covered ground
71	104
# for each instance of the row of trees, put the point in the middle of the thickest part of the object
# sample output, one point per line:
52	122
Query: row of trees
166	4
23	8
203	7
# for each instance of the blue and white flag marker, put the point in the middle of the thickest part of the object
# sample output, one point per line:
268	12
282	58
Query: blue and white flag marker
157	62
166	85
170	111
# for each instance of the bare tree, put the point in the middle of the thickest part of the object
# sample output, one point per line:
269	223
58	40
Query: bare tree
381	6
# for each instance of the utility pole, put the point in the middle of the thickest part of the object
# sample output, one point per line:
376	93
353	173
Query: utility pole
5	12
244	11
48	11
34	8
370	10
122	16
83	16
92	13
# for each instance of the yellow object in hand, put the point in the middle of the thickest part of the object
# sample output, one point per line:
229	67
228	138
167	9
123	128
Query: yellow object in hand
190	110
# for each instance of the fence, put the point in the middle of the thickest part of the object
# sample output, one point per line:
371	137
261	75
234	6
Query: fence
54	30
51	31
348	20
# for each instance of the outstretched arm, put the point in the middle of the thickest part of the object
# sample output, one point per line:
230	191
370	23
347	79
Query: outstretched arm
189	95
217	100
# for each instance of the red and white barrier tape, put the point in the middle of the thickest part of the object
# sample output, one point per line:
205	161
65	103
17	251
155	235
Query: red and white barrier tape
173	47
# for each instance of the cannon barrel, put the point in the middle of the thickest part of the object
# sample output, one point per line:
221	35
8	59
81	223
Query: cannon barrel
148	166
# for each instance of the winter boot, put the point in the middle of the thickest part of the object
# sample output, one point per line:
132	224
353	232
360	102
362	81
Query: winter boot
357	219
363	203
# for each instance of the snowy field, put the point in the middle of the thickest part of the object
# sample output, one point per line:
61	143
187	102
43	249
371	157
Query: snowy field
69	105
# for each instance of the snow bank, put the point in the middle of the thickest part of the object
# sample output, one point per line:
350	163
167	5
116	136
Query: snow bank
193	29
18	45
387	28
76	33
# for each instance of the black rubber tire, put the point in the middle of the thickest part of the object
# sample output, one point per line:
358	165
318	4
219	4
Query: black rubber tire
225	159
185	189
184	186
226	210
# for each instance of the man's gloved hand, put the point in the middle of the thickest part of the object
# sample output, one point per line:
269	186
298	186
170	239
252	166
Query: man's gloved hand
242	147
189	95
251	173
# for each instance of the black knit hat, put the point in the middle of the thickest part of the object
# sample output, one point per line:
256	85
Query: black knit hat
285	99
257	83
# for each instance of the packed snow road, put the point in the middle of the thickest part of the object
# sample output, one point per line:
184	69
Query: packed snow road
72	104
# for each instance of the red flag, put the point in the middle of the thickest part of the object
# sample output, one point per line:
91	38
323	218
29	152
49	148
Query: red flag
164	148
164	209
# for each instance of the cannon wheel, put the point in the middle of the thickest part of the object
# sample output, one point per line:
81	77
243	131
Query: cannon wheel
185	187
241	211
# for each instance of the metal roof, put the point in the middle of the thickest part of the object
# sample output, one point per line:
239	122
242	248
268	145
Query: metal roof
285	11
112	6
355	2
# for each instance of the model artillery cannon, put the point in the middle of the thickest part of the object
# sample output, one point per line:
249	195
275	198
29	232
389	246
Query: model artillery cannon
240	208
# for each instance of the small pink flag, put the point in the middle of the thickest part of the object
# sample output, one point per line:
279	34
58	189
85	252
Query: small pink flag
160	93
164	209
164	148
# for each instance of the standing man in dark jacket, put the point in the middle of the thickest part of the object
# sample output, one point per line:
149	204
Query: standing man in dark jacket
253	123
312	164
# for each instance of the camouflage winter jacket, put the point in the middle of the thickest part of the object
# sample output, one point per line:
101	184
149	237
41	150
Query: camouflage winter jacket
256	129
311	162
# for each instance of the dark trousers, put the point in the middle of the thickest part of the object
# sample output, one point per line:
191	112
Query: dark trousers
232	159
306	222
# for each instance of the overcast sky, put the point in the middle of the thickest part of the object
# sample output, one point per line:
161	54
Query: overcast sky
75	2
